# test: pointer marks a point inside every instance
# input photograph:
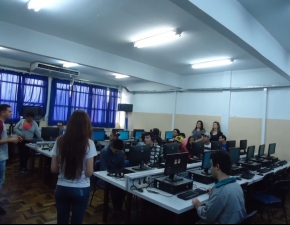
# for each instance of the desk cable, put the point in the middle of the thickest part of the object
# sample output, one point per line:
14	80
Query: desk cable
133	187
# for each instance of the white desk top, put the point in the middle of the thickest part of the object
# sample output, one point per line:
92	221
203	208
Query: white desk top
120	183
43	152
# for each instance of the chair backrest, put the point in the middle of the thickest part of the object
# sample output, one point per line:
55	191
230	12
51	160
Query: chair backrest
280	189
249	219
267	182
278	175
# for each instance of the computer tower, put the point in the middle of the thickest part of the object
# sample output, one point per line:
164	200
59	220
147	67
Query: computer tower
173	187
198	176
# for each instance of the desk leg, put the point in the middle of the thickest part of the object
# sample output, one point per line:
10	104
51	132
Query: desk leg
128	207
175	219
32	160
106	201
144	206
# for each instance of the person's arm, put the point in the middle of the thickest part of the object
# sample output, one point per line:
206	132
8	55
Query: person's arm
90	159
213	208
121	161
36	131
54	166
17	130
103	160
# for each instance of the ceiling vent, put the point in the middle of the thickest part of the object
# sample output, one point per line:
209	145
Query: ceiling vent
52	70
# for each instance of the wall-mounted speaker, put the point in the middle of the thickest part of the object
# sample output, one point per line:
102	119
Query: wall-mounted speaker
125	107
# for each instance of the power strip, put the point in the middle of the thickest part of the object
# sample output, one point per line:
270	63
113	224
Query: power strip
141	184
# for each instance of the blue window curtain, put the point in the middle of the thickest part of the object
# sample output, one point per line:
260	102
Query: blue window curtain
33	92
80	98
99	106
112	107
59	102
9	85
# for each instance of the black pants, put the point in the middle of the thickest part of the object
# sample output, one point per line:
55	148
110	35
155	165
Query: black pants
118	197
23	154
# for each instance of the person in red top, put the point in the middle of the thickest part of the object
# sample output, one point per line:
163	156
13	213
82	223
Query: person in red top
182	148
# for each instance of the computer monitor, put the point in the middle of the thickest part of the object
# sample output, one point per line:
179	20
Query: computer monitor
243	144
123	135
170	148
198	149
49	133
116	130
175	163
271	149
261	151
206	162
98	135
168	134
138	134
235	155
216	145
250	153
139	131
231	144
139	154
63	132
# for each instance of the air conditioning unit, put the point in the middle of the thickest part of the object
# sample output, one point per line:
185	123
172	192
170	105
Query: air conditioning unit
52	70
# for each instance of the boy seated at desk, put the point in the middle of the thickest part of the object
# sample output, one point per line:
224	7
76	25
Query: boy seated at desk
112	159
225	204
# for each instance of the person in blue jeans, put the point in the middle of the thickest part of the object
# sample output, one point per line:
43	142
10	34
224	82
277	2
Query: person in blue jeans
73	158
5	114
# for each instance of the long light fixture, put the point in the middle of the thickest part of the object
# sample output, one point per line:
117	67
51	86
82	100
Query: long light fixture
69	64
120	76
158	39
36	5
212	63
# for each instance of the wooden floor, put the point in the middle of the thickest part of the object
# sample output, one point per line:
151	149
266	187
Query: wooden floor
28	201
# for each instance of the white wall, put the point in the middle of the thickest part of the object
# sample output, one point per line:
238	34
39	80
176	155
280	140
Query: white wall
278	104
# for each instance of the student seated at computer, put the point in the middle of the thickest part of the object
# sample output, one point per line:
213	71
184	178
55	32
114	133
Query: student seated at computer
175	132
206	141
113	136
112	159
141	140
158	139
26	128
223	139
226	203
156	150
190	147
179	140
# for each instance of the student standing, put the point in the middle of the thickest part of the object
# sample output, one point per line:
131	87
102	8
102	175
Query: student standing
26	128
5	114
216	131
198	131
73	158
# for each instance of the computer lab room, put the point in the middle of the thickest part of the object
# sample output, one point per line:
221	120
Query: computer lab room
188	101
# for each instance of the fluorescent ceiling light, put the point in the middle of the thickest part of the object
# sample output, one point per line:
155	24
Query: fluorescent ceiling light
121	76
212	63
158	39
69	64
36	4
2	48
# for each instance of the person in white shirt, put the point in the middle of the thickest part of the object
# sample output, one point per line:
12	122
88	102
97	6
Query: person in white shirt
73	158
206	140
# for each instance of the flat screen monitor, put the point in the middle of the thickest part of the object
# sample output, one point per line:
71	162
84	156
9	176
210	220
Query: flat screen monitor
137	131
63	132
116	130
175	163
271	149
36	110
138	134
49	133
98	135
216	145
261	151
198	149
139	154
231	144
243	144
235	155
123	135
206	162
250	153
170	149
168	134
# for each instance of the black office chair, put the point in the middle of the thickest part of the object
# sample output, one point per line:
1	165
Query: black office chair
249	219
276	198
244	187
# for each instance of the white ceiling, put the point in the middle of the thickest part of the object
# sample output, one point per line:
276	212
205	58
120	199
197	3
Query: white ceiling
112	25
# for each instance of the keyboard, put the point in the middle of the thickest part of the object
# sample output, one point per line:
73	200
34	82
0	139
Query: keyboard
191	194
264	170
282	163
273	166
247	176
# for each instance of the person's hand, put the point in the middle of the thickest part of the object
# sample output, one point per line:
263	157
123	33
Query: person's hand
196	203
208	191
20	138
13	139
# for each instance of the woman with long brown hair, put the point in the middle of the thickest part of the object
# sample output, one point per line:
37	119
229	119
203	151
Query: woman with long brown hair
73	158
